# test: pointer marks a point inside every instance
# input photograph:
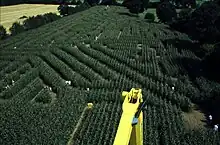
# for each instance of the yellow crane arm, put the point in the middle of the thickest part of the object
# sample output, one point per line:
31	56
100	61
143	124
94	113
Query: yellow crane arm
130	129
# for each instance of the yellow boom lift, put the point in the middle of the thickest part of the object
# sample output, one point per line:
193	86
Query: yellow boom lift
130	129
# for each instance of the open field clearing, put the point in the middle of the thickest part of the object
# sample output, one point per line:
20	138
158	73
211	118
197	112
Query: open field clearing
11	14
194	119
106	51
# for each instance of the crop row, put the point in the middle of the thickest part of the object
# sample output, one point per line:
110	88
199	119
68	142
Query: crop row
66	72
50	77
156	87
112	64
104	95
32	123
121	83
81	68
168	126
120	57
42	32
13	76
99	125
3	64
43	97
176	99
168	68
143	66
11	67
19	85
92	63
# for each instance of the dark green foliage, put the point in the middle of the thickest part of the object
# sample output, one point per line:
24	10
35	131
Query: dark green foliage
104	116
33	123
50	17
11	67
92	2
183	18
182	4
201	25
78	2
184	14
127	3
202	136
39	20
14	2
108	2
143	3
66	10
212	61
43	97
153	4
14	76
150	17
166	12
16	28
21	83
187	3
34	22
217	23
146	4
210	95
63	9
107	53
217	1
3	33
136	7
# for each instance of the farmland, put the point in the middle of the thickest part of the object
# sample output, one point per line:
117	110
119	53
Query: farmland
108	52
10	14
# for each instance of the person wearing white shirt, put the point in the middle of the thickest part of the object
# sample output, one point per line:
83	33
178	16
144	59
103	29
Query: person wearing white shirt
210	120
216	127
210	117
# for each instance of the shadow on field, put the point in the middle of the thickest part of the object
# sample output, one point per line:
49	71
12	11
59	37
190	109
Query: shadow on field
192	66
185	44
208	101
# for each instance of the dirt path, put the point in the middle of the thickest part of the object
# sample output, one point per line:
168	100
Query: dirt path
70	142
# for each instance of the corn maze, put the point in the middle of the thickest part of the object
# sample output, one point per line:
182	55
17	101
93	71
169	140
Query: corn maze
107	52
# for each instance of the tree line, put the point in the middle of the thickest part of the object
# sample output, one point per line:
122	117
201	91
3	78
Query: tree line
14	2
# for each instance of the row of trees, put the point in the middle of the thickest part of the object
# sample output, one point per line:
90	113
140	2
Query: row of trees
138	6
14	2
65	9
202	24
29	23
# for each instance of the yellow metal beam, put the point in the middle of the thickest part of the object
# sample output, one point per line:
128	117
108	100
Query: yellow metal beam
127	134
137	132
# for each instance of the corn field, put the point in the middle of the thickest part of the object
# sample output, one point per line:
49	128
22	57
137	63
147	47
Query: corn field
107	52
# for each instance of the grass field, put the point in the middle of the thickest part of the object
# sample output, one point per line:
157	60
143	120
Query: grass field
10	14
194	119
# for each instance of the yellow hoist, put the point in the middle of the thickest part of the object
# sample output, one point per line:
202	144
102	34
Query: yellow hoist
130	129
